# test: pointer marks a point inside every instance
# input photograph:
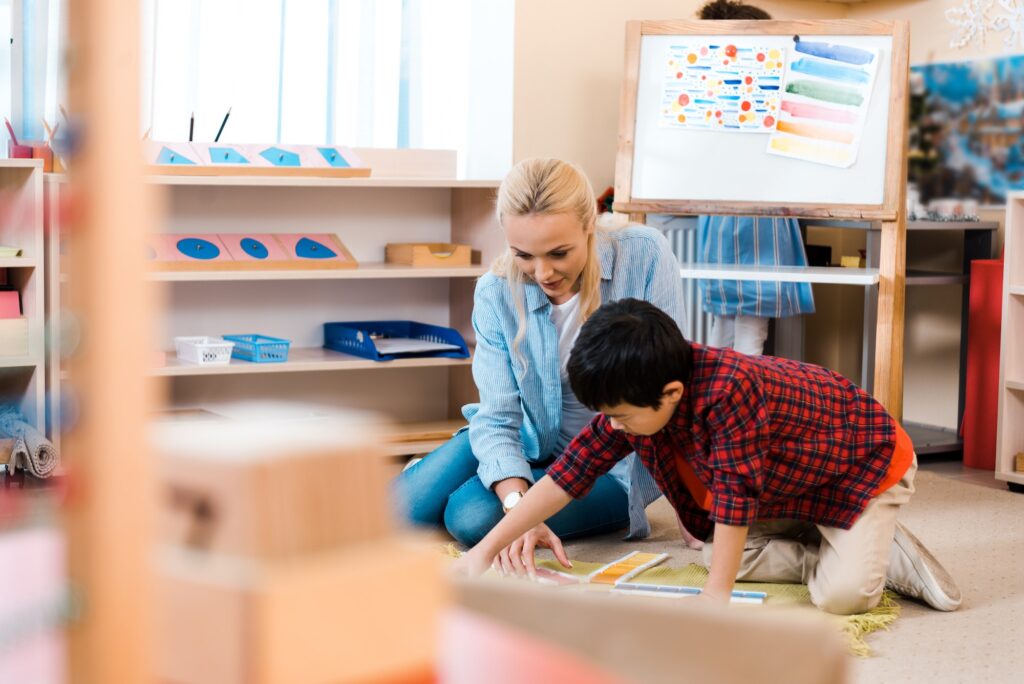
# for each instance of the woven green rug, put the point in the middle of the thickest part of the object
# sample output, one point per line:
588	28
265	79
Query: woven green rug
854	627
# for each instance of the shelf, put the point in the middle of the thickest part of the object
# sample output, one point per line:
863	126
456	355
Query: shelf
19	362
420	438
1015	385
1017	290
366	271
783	274
18	262
935	278
931	439
316	182
911	225
1011	476
300	361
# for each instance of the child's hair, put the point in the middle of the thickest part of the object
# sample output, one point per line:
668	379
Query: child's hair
543	187
626	353
731	9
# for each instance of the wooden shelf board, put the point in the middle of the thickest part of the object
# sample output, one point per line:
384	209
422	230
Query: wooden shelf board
1017	290
18	262
1011	476
932	439
1016	385
784	274
299	361
935	278
19	362
320	182
365	271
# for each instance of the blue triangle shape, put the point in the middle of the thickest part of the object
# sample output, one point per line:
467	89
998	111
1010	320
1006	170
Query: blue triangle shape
279	157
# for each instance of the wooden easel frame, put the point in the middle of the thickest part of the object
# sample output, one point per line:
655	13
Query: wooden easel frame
891	212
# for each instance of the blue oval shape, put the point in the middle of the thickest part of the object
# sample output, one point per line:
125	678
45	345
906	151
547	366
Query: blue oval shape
254	248
197	248
311	249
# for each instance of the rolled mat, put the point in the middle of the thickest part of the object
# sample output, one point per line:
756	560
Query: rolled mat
31	451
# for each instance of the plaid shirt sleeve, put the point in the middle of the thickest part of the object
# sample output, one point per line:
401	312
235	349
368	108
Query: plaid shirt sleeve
739	425
591	454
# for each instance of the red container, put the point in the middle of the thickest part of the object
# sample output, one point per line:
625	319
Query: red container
981	394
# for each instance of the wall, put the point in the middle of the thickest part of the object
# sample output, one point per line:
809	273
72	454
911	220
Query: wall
568	73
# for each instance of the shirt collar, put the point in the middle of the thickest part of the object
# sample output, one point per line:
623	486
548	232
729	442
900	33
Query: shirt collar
535	297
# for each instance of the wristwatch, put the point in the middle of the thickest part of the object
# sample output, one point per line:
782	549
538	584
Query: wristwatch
511	500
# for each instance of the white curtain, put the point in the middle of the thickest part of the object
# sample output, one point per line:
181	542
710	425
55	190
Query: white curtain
364	73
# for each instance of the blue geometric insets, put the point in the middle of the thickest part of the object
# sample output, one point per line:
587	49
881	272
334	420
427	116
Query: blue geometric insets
334	157
279	157
254	248
197	248
311	249
169	156
226	155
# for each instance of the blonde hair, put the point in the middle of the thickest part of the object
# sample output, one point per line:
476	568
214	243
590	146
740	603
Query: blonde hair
542	187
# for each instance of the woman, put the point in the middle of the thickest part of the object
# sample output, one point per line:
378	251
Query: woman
558	269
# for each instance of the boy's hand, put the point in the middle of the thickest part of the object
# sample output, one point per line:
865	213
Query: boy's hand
518	558
471	564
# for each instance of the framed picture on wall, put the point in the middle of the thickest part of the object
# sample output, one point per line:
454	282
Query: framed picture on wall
967	129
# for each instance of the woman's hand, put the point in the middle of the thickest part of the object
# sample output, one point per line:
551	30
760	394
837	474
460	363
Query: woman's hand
473	563
688	539
518	558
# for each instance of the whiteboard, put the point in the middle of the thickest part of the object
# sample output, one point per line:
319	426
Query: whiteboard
696	165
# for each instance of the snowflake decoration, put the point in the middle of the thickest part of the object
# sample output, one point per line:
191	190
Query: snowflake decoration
971	21
1012	21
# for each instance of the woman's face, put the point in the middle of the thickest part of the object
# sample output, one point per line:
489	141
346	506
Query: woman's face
551	249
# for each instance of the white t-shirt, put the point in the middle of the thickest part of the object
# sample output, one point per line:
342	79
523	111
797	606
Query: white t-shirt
574	414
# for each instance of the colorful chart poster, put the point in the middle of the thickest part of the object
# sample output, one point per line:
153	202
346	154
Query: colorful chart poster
824	102
722	87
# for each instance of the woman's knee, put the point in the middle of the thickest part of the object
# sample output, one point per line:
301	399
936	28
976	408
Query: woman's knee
471	513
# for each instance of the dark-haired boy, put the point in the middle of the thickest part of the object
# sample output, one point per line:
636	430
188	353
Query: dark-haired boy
812	462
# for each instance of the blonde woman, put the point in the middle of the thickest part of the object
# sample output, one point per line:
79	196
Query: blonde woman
559	268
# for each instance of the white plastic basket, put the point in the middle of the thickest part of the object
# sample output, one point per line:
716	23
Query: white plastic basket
204	351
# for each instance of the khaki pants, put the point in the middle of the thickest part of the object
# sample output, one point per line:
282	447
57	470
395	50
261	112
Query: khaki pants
845	570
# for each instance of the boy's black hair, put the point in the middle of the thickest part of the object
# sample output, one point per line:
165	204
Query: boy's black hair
627	352
731	9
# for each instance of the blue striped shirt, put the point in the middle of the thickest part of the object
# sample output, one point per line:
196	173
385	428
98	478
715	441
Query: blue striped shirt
755	241
520	409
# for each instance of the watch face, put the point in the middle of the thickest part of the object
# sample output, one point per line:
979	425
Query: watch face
511	499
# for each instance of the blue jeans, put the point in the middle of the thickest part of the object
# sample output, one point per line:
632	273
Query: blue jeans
443	489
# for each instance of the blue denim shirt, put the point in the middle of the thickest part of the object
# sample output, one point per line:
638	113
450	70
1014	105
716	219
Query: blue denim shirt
520	409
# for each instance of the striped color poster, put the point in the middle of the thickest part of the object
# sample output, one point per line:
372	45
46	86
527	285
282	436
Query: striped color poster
824	102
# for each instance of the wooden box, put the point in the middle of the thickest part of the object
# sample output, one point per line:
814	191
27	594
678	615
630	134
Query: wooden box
428	254
367	613
278	490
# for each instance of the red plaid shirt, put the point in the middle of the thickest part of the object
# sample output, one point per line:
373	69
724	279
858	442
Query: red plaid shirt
769	438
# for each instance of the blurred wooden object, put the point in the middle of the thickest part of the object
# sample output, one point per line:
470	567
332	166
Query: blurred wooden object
279	563
634	639
109	521
366	613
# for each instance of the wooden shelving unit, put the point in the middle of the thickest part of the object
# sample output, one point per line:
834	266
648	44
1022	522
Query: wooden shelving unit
365	213
22	376
1010	438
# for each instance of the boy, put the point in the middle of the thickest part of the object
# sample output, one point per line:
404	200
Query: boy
791	451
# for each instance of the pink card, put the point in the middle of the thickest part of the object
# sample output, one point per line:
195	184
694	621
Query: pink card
252	247
10	304
161	248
